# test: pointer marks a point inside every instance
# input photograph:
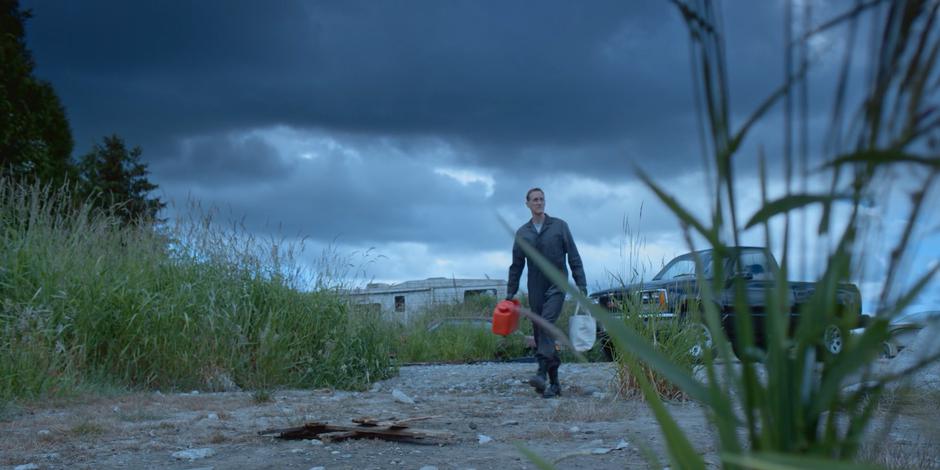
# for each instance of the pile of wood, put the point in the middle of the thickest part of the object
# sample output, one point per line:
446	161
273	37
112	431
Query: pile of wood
388	429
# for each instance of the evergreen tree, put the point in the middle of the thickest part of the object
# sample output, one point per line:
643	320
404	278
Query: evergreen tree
35	137
116	179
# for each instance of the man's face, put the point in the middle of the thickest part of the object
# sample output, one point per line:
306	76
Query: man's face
536	202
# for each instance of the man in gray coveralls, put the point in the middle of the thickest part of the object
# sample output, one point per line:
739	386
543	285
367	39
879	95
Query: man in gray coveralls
552	239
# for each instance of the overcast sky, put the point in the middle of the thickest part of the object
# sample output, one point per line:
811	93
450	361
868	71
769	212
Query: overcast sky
398	132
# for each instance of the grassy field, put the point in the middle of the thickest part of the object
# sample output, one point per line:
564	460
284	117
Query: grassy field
88	302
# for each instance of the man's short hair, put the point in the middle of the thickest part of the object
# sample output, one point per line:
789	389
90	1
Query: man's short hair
532	191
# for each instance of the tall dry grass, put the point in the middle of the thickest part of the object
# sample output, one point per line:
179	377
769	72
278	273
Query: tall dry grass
87	300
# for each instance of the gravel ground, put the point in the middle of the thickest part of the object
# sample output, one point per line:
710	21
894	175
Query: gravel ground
487	407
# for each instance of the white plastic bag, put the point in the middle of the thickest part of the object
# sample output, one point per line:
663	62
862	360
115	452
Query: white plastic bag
582	330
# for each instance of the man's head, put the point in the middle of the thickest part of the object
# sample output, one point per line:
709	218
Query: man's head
535	201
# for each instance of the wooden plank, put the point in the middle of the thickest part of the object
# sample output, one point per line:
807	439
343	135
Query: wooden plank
401	422
391	422
336	436
369	421
307	431
398	431
390	431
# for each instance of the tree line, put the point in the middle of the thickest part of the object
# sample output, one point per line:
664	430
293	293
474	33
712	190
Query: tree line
36	141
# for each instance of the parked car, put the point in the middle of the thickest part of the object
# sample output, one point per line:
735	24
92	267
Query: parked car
674	293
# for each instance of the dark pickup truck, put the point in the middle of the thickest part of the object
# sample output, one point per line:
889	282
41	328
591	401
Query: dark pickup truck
674	292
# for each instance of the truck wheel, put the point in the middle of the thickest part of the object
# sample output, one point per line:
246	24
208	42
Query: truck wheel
833	339
703	343
889	349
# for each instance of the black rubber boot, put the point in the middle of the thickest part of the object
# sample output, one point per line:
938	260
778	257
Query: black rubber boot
554	389
537	381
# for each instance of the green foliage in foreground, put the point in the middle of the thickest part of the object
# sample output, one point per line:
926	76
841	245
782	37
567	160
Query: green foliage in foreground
789	407
85	299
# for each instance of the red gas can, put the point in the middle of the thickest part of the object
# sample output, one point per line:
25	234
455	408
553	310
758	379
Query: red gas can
506	317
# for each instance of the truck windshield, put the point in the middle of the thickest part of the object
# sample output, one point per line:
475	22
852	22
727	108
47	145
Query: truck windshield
684	267
753	264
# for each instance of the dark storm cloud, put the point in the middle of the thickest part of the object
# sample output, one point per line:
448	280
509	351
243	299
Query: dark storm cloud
332	119
224	160
531	83
358	190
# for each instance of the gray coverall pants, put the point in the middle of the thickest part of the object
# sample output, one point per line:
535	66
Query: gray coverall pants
548	306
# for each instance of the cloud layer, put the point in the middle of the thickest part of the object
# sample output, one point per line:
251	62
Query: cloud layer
412	126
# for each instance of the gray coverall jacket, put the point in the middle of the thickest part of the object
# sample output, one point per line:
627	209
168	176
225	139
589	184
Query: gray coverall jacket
555	243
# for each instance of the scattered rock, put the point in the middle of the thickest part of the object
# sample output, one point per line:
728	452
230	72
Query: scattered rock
213	416
44	432
428	467
194	454
28	466
623	444
315	442
483	439
317	468
401	397
510	422
574	429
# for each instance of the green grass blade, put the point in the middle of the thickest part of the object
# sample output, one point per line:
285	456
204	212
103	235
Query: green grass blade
878	157
681	213
789	203
681	451
913	292
536	459
776	461
853	358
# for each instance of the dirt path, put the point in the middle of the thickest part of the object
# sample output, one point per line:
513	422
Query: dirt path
487	407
